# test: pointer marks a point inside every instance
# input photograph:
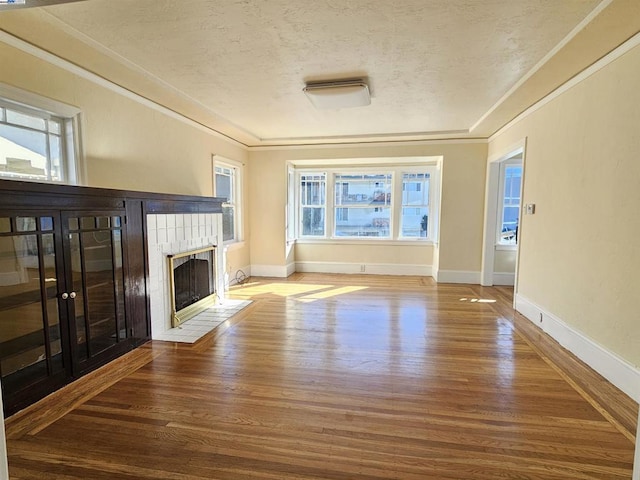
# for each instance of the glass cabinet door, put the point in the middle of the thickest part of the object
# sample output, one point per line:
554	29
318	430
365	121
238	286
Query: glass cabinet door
31	337
95	279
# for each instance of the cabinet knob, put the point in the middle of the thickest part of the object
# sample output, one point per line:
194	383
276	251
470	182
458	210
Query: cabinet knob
64	296
72	295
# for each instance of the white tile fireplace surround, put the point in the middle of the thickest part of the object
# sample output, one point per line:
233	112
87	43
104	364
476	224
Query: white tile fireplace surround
170	234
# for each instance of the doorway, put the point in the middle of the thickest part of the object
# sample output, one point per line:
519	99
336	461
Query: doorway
503	211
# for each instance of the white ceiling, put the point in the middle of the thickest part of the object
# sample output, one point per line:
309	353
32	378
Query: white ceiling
433	66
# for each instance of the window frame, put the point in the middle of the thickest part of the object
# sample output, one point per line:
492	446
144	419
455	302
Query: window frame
300	206
511	162
396	172
236	191
431	200
72	160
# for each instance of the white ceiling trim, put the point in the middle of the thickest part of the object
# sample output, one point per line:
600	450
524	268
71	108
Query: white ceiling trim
109	85
596	11
434	141
586	73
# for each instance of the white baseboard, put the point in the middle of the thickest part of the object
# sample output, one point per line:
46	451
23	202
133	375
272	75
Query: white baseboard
365	269
291	268
500	278
457	276
278	271
616	370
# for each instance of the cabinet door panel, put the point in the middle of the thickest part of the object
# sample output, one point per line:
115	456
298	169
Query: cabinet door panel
31	332
96	276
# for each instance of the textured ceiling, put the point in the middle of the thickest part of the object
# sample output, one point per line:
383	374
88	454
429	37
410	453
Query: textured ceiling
433	66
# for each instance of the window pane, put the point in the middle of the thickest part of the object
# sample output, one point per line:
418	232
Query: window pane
228	223
5	225
313	190
26	224
25	120
23	153
363	222
55	153
313	221
223	186
415	222
363	189
415	189
46	223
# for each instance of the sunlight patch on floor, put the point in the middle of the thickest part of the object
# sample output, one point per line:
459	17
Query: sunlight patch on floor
334	292
478	300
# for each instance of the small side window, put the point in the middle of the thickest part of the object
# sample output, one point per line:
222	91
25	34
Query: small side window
36	144
227	184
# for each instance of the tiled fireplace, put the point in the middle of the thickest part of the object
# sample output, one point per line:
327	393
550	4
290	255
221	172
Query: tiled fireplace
171	235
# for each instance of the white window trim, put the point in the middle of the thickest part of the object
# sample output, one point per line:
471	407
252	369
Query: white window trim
28	102
501	178
298	207
238	178
431	167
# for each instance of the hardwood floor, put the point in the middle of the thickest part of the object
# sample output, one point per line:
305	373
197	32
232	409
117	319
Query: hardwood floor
339	377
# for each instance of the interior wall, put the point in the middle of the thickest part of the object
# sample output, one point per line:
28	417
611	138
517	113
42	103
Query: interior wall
462	204
127	145
578	254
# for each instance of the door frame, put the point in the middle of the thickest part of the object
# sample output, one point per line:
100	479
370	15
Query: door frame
491	200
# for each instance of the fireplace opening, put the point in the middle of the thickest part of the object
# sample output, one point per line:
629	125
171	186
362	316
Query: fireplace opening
192	283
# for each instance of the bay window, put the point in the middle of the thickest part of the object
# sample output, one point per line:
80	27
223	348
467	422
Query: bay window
395	203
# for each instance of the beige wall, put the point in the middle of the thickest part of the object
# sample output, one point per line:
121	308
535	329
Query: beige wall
579	256
463	177
365	254
127	145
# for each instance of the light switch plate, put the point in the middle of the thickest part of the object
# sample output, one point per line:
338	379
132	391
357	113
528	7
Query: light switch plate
530	208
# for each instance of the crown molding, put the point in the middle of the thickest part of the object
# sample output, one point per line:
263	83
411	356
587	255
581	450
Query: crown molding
74	69
586	73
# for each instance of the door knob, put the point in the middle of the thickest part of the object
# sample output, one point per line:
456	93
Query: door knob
64	296
72	295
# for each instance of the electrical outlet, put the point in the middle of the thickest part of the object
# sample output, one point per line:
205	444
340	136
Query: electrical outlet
362	268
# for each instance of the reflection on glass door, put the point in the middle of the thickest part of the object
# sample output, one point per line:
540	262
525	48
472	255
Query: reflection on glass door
96	283
30	332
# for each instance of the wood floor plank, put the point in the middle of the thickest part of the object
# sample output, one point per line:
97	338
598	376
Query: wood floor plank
339	377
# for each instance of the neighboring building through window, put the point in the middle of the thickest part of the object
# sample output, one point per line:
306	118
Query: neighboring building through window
36	144
415	205
509	207
227	185
362	205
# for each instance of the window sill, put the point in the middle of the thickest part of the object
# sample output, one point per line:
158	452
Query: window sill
368	241
231	245
506	248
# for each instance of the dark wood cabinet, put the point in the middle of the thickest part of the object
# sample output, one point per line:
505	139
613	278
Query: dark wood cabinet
73	281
